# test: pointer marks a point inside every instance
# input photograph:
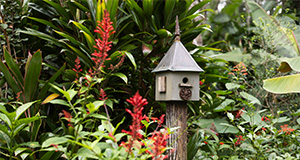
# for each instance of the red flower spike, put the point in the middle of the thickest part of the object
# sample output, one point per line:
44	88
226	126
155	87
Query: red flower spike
102	95
205	142
77	67
103	45
263	128
138	102
221	143
158	147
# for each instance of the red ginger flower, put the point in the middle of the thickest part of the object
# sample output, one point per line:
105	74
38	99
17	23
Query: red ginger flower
286	129
103	45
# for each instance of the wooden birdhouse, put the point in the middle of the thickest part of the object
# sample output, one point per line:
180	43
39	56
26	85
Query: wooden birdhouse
177	74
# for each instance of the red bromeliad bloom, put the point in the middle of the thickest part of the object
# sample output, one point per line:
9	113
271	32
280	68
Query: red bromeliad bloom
263	128
77	67
103	45
67	115
138	102
221	143
159	145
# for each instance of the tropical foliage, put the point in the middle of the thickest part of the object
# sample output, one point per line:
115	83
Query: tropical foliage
76	79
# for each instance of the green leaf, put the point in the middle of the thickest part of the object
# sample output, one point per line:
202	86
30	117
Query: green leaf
94	106
4	135
297	113
19	150
283	85
224	106
72	93
9	78
83	28
60	102
21	123
122	76
31	144
54	140
112	7
234	56
221	18
282	119
44	90
131	58
99	116
83	8
86	58
6	119
69	37
41	35
251	98
22	109
100	10
168	11
13	68
289	64
231	86
197	7
59	9
298	120
148	7
35	128
32	76
65	93
230	116
89	40
47	23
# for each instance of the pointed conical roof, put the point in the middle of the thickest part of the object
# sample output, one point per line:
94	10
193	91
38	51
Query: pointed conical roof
177	59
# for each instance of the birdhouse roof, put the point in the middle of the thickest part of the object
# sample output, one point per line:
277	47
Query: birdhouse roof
177	59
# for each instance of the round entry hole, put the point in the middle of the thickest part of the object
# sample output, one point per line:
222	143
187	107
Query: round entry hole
185	80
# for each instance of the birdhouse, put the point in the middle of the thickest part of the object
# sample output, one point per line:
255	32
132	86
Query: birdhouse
177	74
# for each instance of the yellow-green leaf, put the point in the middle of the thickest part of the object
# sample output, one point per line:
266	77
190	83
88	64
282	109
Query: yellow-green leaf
282	85
50	98
289	64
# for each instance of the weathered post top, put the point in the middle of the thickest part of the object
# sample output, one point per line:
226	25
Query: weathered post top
177	74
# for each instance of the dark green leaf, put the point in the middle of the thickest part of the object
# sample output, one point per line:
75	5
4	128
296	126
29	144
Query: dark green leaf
32	76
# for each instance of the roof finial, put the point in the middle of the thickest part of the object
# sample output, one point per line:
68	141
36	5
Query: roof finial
177	30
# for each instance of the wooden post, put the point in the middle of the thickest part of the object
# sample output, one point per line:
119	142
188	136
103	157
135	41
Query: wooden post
176	116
